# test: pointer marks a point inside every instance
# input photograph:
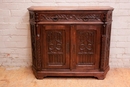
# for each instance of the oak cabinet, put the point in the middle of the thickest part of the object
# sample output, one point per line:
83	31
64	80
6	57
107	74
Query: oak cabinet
70	41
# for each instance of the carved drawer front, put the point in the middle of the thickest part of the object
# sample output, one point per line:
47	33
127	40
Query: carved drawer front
69	17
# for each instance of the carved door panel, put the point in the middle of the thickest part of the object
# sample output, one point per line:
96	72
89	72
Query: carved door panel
86	46
55	46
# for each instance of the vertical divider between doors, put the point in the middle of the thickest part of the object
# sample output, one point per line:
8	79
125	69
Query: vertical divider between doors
67	30
73	49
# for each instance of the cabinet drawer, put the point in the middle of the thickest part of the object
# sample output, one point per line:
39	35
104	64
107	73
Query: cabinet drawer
62	17
68	17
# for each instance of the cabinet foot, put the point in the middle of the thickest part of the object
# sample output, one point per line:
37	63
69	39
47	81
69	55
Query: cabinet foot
101	77
37	74
40	76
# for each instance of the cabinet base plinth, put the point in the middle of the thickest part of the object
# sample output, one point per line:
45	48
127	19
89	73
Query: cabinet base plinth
42	74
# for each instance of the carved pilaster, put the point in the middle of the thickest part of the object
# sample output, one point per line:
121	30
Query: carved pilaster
35	40
103	45
108	43
38	46
105	41
103	53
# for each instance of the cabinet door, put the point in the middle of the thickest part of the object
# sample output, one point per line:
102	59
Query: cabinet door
86	46
55	46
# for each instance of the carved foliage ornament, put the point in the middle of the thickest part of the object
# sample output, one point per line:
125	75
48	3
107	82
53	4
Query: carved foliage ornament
55	41
55	47
86	47
86	42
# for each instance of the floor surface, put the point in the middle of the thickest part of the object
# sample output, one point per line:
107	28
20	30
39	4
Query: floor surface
23	77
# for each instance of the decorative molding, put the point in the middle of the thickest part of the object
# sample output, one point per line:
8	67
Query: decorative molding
70	17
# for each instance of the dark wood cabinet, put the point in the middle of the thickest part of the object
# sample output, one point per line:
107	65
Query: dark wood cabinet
70	41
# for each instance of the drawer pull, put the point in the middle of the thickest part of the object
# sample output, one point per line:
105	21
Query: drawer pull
85	19
55	19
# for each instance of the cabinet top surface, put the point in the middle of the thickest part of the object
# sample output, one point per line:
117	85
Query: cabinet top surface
42	8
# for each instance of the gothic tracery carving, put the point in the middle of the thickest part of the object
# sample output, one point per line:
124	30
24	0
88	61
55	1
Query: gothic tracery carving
55	40
86	42
55	47
86	47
